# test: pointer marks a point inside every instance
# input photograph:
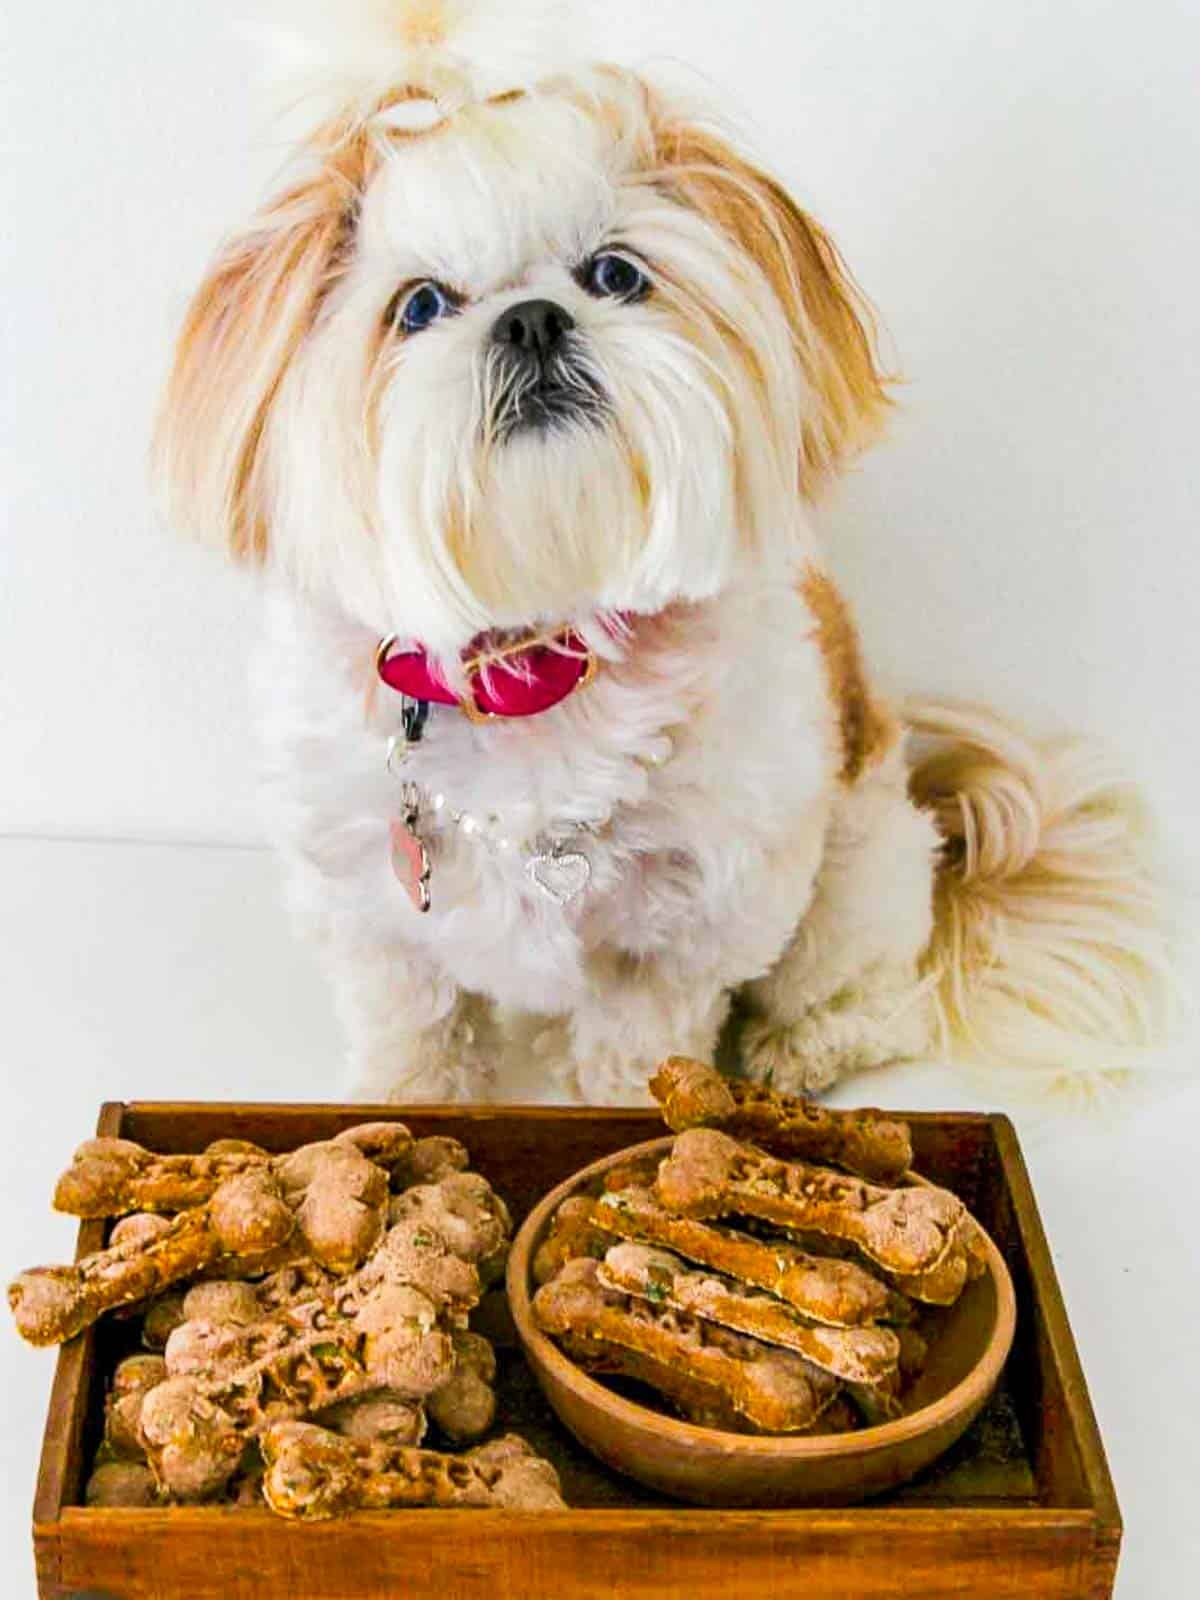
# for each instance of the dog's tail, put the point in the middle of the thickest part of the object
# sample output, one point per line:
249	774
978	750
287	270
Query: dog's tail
1050	952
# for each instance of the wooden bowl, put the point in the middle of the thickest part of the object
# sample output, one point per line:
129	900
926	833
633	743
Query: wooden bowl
711	1467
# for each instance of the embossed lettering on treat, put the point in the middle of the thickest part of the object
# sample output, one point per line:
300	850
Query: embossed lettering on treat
907	1231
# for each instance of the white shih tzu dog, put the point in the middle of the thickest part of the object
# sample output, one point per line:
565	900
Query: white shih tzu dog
519	390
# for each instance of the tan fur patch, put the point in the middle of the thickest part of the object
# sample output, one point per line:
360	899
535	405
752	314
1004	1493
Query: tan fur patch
832	322
244	325
866	730
424	22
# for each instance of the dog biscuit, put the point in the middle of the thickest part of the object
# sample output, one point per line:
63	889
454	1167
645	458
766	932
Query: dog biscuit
313	1474
776	1390
195	1426
823	1289
856	1355
908	1231
247	1215
866	1142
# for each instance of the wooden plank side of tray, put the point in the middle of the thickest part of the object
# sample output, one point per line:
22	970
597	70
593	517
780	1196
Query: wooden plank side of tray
60	1471
867	1554
1069	1458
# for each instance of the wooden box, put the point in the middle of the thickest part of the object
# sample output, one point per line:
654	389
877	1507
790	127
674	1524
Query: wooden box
1022	1507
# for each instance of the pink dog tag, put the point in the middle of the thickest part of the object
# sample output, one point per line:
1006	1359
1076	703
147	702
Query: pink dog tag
410	861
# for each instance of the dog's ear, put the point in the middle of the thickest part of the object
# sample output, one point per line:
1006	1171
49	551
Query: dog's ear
833	326
246	321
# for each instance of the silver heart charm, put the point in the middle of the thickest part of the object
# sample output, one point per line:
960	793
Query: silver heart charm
560	876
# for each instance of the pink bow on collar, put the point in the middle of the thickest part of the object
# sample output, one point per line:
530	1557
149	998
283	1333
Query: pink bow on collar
518	681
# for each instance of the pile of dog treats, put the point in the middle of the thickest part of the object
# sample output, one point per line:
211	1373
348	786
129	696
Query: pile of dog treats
304	1318
752	1284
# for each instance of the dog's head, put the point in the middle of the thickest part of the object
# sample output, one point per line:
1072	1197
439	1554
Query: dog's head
513	348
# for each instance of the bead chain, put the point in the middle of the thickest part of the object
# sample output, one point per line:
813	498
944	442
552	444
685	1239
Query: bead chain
487	831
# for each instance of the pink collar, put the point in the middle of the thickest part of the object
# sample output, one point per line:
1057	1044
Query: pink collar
517	681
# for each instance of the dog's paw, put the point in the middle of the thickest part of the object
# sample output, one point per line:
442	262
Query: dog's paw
811	1054
795	1058
883	1016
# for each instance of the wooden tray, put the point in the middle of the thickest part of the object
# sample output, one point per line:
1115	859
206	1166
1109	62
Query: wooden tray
1022	1507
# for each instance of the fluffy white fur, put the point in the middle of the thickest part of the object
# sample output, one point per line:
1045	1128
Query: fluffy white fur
746	800
1050	957
325	55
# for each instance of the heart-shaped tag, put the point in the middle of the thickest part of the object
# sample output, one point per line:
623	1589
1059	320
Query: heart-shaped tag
411	864
561	876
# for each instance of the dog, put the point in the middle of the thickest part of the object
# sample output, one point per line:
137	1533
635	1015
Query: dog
520	389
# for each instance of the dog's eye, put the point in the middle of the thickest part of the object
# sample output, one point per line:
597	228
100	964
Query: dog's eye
613	277
425	304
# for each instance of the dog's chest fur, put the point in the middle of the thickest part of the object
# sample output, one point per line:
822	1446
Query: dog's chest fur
694	776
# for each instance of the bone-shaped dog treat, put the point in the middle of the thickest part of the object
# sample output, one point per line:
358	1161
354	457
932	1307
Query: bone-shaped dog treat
412	1255
377	1418
520	1479
464	1208
856	1355
430	1160
327	1201
464	1408
698	1400
194	1446
298	1279
907	1231
132	1382
161	1317
111	1177
138	1225
941	1285
694	1095
223	1300
319	1350
467	1212
386	1144
418	1253
964	1259
121	1484
247	1215
218	1353
574	1231
823	1289
339	1197
974	1244
314	1474
774	1389
195	1428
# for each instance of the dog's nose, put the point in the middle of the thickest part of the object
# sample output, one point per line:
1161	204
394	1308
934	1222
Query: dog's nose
533	328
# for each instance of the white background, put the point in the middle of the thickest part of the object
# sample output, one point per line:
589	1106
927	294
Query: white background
1016	187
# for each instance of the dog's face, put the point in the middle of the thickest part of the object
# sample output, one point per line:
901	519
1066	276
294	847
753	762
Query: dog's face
561	354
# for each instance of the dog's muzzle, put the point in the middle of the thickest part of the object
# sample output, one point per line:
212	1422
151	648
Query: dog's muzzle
538	376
